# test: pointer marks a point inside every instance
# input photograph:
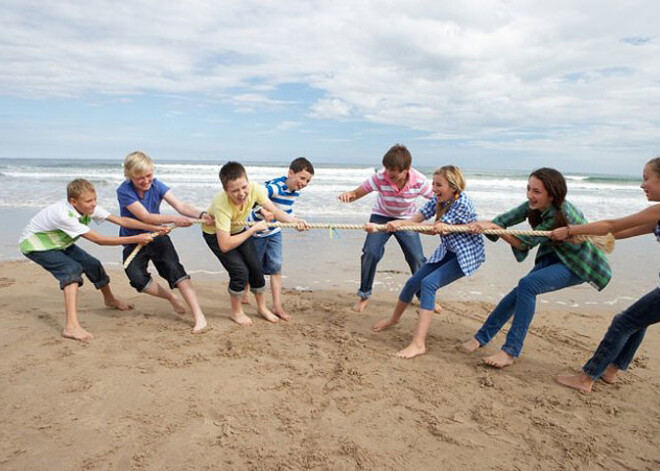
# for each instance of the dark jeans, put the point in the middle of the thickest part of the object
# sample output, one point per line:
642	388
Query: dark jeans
374	248
162	254
624	335
242	264
549	274
68	265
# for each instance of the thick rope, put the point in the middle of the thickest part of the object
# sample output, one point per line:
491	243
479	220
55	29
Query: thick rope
605	243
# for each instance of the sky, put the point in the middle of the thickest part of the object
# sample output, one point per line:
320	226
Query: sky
480	84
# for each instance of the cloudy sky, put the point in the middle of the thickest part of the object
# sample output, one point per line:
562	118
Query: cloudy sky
482	84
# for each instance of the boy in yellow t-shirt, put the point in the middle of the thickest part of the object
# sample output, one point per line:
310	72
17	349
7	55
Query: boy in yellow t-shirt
233	245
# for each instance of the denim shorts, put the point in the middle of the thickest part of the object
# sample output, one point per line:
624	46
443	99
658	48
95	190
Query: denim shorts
68	265
269	251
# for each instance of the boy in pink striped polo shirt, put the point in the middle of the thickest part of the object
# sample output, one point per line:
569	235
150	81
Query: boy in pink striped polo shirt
398	186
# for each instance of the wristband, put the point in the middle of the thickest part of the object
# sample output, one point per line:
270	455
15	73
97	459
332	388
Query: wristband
568	230
201	214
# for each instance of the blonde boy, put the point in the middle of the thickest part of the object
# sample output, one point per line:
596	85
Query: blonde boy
49	240
139	198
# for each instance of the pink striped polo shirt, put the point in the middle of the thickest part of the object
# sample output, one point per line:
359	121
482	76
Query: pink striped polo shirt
394	202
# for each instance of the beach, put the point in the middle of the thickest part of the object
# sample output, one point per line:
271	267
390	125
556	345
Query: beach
320	392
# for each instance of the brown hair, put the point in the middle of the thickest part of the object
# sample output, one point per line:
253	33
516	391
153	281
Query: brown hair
555	184
456	181
300	164
77	187
231	171
655	165
397	158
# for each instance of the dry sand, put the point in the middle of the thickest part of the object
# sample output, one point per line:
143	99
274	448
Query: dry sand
321	392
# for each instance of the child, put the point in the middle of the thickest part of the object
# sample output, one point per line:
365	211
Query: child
398	186
139	198
556	266
49	240
282	191
234	245
626	332
458	255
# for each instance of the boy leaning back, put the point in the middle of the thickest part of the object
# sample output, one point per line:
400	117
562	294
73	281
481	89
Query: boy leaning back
49	240
282	191
398	185
233	245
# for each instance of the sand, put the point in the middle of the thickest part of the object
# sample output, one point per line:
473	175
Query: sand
321	392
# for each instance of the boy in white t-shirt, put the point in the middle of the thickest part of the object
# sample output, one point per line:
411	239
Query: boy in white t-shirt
49	240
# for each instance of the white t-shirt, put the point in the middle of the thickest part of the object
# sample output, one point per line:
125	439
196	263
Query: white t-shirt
57	227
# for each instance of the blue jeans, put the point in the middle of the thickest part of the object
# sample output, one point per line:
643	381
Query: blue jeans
68	265
269	252
374	248
624	335
429	279
549	274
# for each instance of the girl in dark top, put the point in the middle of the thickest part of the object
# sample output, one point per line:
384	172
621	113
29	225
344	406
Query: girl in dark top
617	349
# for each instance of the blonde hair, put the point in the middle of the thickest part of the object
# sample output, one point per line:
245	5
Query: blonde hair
78	187
137	163
456	181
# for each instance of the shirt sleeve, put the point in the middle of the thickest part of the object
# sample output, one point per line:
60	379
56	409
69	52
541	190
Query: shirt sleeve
429	208
161	187
126	195
425	189
370	184
260	195
510	218
100	215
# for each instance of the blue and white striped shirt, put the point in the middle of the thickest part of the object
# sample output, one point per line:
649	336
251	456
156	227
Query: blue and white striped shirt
469	248
283	198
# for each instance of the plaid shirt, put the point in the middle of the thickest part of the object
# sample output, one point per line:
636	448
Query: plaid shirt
585	260
469	248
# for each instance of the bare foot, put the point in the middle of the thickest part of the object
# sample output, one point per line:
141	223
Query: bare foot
269	316
360	304
201	327
117	303
470	346
438	308
281	313
178	306
609	375
500	359
76	333
581	382
241	319
411	351
383	324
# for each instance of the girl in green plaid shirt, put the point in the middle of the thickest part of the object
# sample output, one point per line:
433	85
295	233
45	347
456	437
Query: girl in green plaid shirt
556	266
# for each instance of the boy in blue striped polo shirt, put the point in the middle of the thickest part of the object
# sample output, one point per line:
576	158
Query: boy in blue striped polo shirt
282	191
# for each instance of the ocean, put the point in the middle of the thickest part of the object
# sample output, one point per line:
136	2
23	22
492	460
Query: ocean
319	259
36	183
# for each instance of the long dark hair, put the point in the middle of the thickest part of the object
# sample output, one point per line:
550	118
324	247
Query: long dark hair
555	184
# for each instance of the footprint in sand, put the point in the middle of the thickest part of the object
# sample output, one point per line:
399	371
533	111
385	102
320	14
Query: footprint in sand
5	282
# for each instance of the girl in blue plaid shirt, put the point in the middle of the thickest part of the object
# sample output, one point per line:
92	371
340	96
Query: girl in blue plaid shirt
458	255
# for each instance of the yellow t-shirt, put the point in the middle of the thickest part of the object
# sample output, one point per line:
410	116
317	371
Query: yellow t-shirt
225	211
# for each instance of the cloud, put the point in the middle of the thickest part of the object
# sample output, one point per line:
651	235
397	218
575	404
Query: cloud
474	70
